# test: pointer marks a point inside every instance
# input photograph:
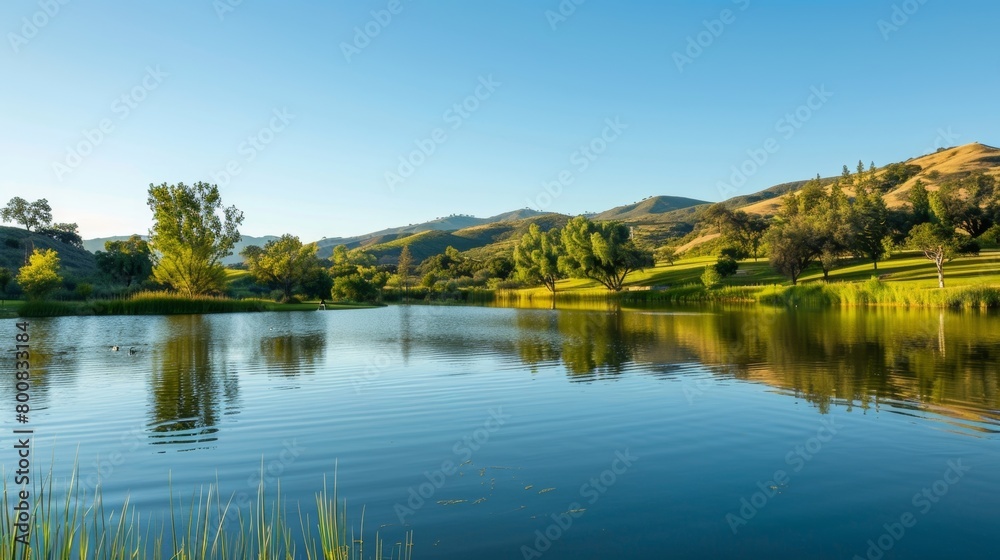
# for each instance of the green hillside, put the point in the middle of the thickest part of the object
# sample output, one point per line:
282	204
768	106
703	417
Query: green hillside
15	243
485	238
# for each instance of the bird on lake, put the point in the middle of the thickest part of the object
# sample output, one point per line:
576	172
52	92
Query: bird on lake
132	350
114	348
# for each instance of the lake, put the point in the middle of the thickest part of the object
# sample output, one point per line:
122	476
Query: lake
521	433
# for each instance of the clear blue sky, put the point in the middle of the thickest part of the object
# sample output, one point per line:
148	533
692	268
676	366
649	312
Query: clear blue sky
199	79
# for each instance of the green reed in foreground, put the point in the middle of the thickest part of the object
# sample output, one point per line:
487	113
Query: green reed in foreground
205	526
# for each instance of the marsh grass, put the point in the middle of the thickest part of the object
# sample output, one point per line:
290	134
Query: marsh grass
164	303
79	526
143	303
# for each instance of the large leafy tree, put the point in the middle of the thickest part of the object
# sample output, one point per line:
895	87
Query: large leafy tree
191	234
128	262
971	204
739	229
40	276
536	256
35	214
283	263
937	242
601	251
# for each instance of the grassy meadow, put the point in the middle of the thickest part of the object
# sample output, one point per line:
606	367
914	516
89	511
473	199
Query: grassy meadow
905	279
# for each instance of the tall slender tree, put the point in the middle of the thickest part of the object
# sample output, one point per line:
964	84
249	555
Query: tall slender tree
403	267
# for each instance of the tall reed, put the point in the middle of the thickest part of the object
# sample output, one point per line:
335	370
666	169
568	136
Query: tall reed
205	527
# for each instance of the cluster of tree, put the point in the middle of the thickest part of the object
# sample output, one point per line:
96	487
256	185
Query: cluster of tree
452	269
293	268
128	262
601	251
822	224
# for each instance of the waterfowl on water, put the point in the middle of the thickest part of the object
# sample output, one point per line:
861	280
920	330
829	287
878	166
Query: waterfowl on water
132	350
114	348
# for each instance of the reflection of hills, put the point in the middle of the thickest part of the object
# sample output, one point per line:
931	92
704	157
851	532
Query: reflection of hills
189	384
934	361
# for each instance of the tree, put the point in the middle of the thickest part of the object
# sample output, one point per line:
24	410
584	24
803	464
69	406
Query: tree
601	251
711	277
282	263
536	257
870	221
129	261
937	242
30	215
971	204
190	238
793	245
920	204
403	267
726	266
667	254
40	276
5	278
744	230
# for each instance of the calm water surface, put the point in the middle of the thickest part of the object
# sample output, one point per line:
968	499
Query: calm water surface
502	433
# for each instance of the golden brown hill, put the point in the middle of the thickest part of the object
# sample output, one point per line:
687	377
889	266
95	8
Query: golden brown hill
934	169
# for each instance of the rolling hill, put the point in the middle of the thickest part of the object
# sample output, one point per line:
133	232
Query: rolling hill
652	209
454	222
935	169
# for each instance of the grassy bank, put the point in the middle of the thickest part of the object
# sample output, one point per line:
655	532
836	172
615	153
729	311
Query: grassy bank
205	526
162	303
905	279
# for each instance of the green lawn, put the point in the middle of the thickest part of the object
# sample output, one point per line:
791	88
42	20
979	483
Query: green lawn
908	270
